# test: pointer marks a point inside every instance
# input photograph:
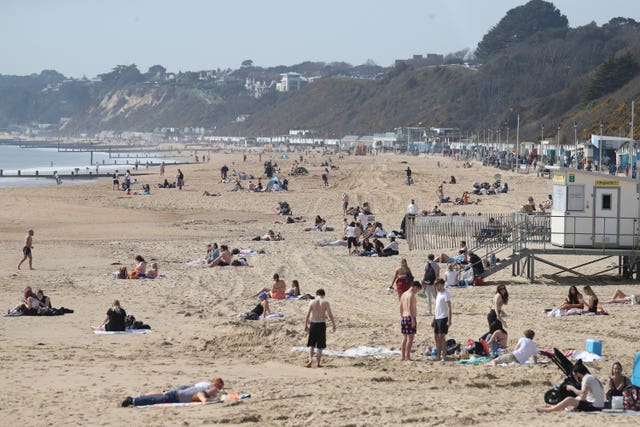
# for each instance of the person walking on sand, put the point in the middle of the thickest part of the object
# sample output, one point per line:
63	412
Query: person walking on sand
26	250
442	319
315	325
325	177
180	178
162	169
408	319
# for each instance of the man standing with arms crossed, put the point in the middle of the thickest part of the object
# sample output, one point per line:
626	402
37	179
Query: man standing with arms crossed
315	325
442	319
408	319
26	250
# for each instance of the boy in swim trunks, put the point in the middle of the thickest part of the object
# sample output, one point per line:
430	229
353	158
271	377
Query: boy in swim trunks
26	250
408	319
315	325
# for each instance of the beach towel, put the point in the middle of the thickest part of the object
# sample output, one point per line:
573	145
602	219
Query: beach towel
250	252
361	351
608	412
128	331
272	315
195	262
474	360
41	312
231	396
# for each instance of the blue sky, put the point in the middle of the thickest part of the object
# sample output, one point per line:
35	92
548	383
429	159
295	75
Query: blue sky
89	37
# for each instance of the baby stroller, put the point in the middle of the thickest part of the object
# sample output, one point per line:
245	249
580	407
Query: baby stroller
559	392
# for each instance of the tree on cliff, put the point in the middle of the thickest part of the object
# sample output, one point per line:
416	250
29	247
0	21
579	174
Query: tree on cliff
518	24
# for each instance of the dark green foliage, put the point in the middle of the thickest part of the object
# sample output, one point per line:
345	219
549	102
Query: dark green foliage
519	24
611	75
122	75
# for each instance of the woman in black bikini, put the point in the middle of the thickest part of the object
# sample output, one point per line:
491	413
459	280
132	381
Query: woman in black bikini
591	304
262	308
500	298
616	383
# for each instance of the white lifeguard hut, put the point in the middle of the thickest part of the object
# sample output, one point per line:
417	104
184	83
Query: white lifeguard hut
594	210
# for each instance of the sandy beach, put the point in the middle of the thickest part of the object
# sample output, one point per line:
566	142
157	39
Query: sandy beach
56	371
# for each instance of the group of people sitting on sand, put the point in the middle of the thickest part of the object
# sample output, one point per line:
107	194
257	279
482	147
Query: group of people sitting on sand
140	271
592	395
357	240
270	236
277	291
577	303
487	189
36	304
221	256
463	259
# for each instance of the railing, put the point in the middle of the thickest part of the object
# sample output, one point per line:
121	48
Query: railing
492	231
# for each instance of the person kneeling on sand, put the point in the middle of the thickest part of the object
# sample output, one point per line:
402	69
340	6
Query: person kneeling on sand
590	395
201	392
525	349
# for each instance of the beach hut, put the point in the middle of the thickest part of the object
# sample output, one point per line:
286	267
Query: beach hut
594	210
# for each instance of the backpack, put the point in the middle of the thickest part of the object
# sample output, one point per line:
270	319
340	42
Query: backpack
429	274
122	273
631	398
452	346
479	348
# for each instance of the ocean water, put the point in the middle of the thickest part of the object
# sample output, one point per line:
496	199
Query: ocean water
48	160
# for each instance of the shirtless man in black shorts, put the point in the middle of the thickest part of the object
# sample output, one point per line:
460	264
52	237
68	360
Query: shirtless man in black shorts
26	250
315	324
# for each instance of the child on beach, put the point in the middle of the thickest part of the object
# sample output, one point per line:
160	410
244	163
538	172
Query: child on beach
153	272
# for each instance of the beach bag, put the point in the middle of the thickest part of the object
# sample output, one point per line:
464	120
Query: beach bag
479	348
122	273
133	274
631	398
478	281
452	346
429	274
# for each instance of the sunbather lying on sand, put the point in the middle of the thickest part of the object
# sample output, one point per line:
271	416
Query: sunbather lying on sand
620	297
200	392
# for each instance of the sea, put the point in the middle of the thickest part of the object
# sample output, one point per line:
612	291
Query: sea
48	160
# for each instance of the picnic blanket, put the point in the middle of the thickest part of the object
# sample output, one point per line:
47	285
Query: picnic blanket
360	351
128	331
556	312
41	312
474	360
231	396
